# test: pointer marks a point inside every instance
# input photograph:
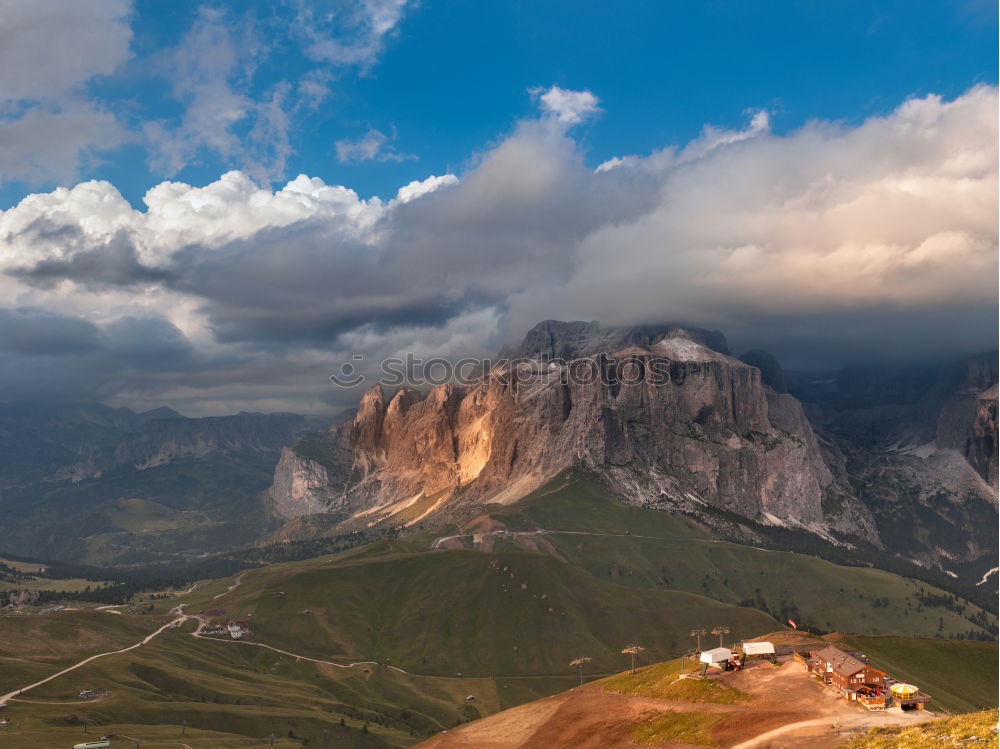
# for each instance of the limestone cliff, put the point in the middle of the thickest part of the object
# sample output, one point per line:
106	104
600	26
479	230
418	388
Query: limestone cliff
968	421
710	434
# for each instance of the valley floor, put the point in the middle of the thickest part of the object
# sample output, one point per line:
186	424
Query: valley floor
786	703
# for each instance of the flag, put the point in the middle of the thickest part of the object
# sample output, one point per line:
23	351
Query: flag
794	625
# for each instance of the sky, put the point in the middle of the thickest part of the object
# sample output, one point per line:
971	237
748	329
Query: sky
212	206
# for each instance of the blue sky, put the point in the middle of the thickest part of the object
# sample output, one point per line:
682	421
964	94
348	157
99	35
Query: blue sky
816	179
450	77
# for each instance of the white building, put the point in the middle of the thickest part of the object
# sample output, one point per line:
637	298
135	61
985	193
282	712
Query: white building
715	655
758	648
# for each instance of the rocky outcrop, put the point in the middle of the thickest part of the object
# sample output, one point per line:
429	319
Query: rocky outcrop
968	420
302	486
770	370
917	448
555	339
706	432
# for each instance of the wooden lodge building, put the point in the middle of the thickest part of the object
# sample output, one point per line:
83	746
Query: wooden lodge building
856	679
859	681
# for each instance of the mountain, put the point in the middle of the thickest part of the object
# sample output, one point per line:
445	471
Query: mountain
903	460
917	445
708	433
91	483
554	339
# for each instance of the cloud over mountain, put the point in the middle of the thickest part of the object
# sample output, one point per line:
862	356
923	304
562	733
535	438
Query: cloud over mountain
852	236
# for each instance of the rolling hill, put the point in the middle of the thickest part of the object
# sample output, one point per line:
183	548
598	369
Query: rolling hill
575	519
471	612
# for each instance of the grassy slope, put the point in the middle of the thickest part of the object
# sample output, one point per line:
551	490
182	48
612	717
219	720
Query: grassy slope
652	549
471	612
234	694
961	676
972	731
32	647
662	681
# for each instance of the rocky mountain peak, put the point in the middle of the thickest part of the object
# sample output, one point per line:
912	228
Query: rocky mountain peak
554	339
702	436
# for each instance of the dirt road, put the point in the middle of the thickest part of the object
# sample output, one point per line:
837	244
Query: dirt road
85	661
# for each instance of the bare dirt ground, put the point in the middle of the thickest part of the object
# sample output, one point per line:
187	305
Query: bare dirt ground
790	711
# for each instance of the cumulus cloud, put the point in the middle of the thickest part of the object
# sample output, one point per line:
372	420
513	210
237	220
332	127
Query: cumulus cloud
834	240
567	107
372	146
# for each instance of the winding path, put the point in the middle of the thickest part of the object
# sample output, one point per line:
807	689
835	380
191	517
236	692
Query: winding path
436	543
230	589
85	661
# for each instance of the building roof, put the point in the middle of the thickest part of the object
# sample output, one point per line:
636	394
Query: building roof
716	655
758	648
841	662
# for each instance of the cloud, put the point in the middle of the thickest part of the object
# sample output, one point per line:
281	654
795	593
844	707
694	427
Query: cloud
567	107
213	73
207	71
352	33
238	84
372	146
114	264
27	330
419	188
49	52
51	49
836	240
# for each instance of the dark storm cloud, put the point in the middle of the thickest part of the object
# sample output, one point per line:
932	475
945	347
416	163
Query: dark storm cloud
28	331
48	355
114	264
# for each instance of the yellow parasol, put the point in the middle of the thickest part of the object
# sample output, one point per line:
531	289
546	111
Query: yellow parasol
904	690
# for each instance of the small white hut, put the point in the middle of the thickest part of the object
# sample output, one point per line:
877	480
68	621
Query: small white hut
715	655
758	648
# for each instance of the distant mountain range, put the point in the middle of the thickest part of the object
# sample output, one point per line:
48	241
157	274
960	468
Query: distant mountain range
904	461
86	482
898	460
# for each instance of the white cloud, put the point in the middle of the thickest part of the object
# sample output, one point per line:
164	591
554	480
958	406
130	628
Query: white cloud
852	235
212	72
896	213
417	188
372	146
567	107
53	48
206	71
48	53
352	33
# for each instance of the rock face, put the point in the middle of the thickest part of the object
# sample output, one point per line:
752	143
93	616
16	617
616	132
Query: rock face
708	433
301	486
554	339
968	421
918	447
